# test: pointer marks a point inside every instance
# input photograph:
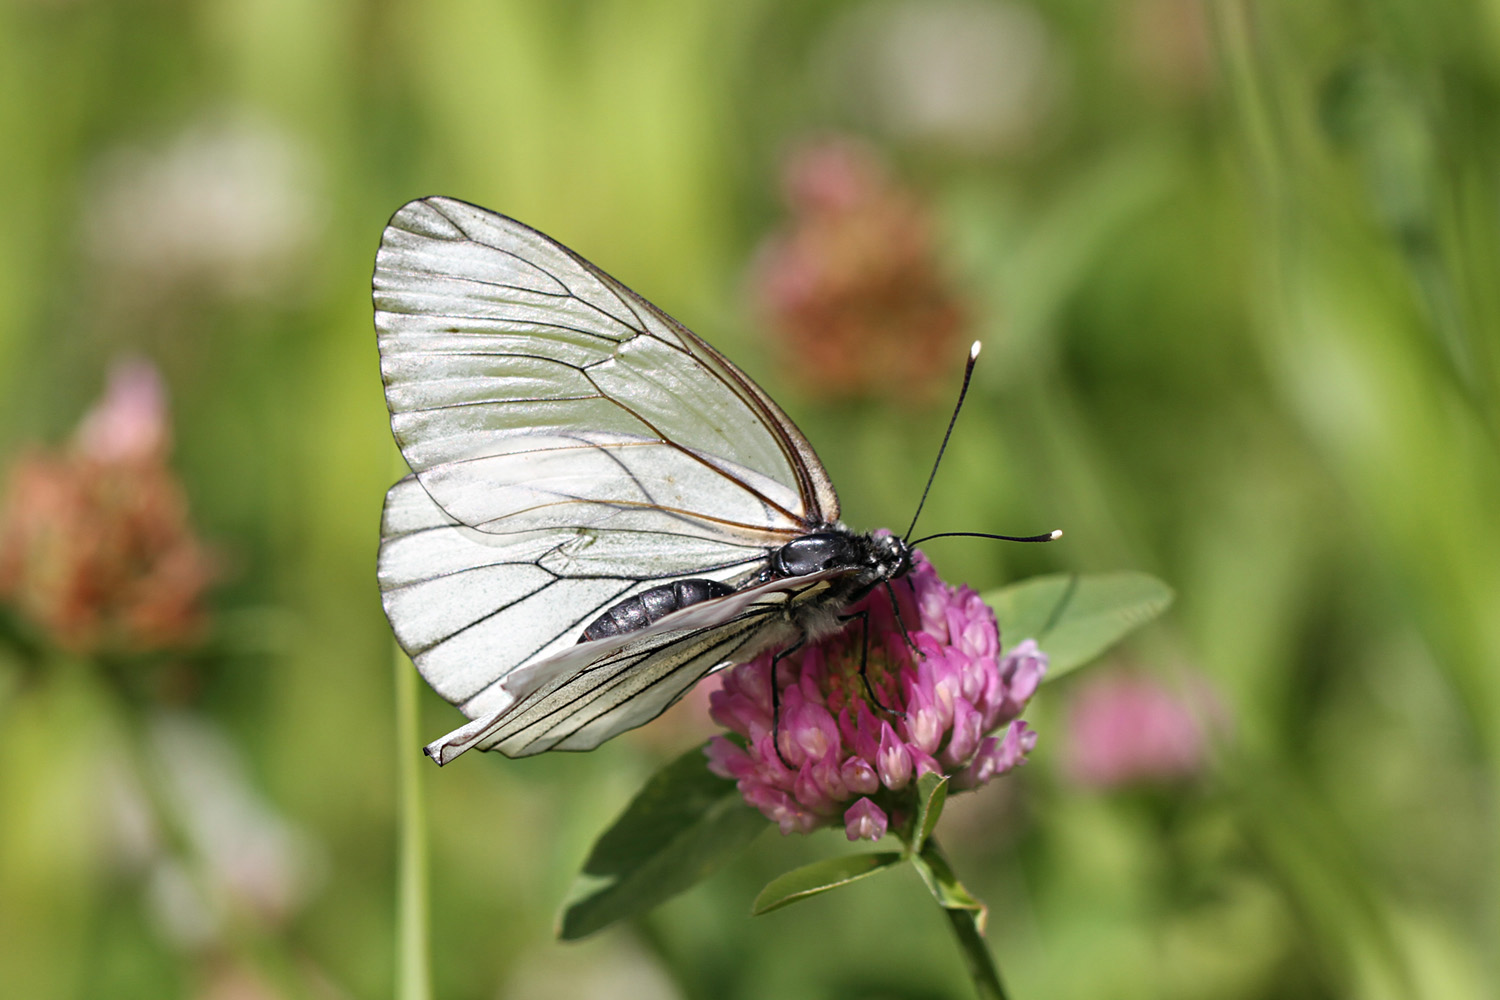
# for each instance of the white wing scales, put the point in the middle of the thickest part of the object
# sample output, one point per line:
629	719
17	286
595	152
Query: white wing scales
582	710
572	446
528	390
470	607
591	693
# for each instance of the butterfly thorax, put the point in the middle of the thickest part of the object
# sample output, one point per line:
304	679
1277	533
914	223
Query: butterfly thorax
860	562
883	557
870	558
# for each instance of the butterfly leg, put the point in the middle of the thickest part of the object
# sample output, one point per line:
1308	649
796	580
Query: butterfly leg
896	607
776	702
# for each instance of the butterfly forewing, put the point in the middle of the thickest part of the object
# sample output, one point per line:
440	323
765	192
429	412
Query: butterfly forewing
529	390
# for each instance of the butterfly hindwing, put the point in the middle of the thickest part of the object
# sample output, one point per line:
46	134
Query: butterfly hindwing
469	607
578	700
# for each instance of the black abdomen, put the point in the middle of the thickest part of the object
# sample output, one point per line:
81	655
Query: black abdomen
635	613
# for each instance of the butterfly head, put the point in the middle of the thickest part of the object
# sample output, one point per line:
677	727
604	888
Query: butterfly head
888	556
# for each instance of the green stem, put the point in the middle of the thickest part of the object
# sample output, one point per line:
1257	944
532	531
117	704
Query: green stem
965	915
413	961
977	957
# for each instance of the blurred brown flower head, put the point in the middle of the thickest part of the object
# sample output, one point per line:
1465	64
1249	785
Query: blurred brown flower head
853	288
96	548
1169	47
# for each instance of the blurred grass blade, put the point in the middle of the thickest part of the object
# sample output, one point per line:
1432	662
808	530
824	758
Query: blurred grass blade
413	954
932	793
678	829
820	877
1074	618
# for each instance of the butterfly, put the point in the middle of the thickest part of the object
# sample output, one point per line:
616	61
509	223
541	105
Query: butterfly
602	510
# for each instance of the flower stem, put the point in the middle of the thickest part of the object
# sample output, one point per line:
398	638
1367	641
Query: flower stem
413	961
966	915
977	957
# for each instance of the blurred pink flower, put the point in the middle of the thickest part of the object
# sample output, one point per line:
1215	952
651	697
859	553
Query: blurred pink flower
129	424
848	760
1131	729
95	543
853	288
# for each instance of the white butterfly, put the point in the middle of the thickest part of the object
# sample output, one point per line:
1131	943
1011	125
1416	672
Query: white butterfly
583	463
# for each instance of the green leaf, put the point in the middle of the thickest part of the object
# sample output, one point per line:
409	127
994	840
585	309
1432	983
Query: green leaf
932	792
819	877
1075	618
943	884
679	828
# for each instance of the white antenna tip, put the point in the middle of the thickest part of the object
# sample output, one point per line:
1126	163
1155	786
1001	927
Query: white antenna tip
1056	534
974	351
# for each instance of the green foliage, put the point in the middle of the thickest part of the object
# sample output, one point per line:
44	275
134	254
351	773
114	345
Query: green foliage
820	877
1075	618
945	887
677	830
932	793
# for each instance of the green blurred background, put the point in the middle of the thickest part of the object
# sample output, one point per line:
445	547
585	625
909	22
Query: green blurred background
1235	267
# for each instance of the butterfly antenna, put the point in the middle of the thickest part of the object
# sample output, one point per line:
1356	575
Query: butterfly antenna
1050	536
964	391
